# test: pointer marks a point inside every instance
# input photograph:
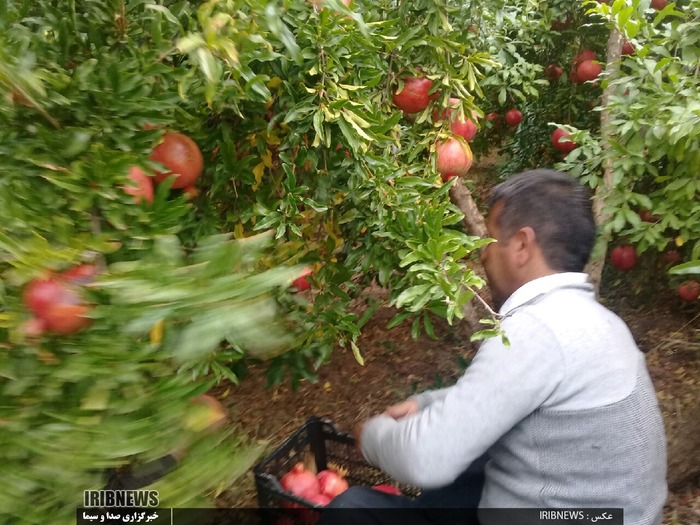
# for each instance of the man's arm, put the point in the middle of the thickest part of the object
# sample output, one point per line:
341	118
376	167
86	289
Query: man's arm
432	447
427	398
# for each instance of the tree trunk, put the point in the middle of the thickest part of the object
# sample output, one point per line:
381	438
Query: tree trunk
473	219
476	226
595	265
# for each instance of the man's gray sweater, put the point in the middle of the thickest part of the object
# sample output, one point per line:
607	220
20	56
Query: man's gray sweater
567	413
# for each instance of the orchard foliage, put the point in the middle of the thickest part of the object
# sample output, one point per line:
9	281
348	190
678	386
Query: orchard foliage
655	150
306	162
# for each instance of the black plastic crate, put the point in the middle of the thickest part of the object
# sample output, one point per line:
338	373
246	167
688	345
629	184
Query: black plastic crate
320	439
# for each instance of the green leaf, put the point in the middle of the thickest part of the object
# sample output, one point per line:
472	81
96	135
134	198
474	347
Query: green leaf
166	13
352	119
429	329
687	268
415	328
398	319
281	31
484	334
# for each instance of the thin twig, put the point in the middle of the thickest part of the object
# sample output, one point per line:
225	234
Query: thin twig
484	303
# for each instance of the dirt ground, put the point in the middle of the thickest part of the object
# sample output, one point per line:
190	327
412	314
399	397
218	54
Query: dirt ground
396	366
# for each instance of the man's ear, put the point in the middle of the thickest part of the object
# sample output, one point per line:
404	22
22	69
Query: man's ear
525	244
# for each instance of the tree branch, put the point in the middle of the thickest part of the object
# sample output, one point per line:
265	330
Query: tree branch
475	225
595	265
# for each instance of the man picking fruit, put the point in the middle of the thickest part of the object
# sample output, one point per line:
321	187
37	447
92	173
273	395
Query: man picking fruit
564	416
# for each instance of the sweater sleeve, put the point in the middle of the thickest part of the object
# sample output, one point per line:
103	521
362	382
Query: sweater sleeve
431	448
424	399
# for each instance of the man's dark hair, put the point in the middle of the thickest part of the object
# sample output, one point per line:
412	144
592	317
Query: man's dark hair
557	207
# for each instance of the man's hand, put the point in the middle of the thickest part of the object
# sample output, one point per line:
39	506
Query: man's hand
403	409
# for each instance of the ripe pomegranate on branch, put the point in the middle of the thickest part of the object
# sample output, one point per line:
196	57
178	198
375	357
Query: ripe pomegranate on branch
624	257
140	186
464	127
513	117
181	155
56	302
415	95
561	140
454	158
689	290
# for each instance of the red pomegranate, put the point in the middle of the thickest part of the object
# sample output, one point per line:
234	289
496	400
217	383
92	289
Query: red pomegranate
414	96
300	482
494	119
689	290
80	274
181	155
573	76
331	483
302	282
465	128
624	257
658	4
583	55
566	145
454	158
67	318
140	185
513	117
388	489
627	48
647	216
42	293
588	70
672	256
57	304
553	72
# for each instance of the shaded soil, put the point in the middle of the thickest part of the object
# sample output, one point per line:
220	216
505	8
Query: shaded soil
397	366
